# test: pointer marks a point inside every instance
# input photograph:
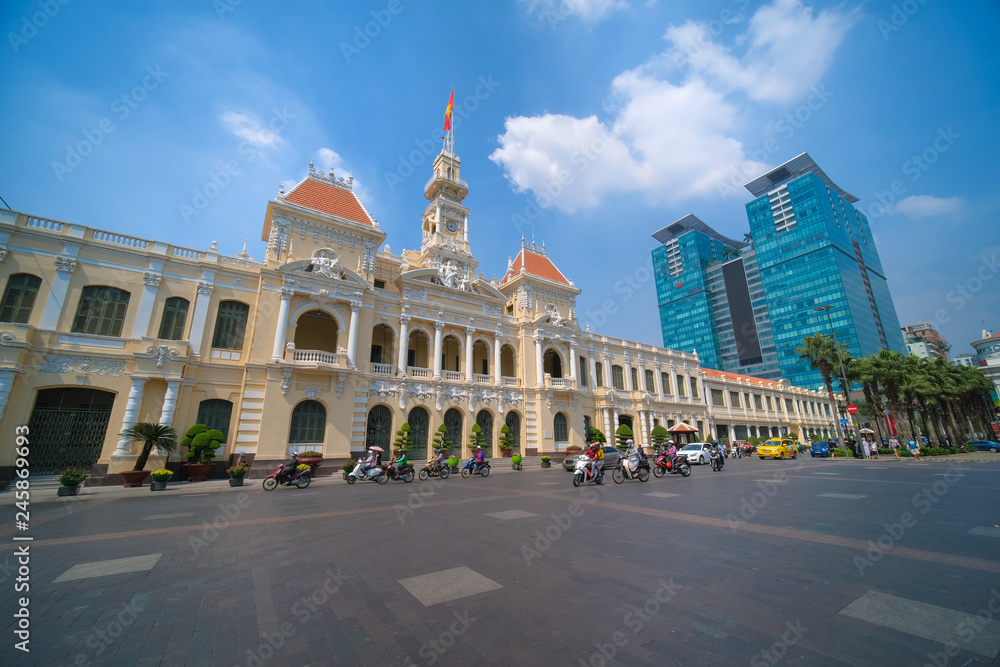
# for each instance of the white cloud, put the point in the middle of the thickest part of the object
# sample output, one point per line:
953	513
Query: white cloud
672	141
928	206
788	50
588	10
247	127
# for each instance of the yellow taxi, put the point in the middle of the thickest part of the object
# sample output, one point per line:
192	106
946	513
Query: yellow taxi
777	448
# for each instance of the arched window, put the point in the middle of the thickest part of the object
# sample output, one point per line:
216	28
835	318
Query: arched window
308	423
583	371
379	431
635	379
19	297
560	427
485	421
552	363
230	325
101	311
175	312
599	372
650	382
665	383
618	377
216	413
453	428
514	426
419	422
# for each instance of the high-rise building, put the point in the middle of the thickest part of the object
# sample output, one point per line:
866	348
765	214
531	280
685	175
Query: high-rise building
812	267
924	341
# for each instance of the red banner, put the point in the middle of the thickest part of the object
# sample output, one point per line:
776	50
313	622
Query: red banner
890	425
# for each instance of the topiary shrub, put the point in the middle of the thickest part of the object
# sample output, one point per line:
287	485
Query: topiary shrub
403	441
621	435
202	442
659	435
595	435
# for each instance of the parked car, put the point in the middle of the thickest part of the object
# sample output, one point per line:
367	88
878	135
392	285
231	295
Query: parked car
611	456
986	445
777	448
821	448
697	453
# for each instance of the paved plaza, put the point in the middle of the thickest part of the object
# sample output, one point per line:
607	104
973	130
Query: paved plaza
807	562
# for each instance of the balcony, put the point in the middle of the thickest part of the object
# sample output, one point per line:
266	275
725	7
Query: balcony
417	372
454	376
510	382
479	378
383	369
319	357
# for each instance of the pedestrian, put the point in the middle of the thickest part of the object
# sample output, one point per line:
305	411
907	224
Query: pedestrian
894	445
865	447
874	450
914	449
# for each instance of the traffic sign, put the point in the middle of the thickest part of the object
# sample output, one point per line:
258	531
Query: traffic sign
852	408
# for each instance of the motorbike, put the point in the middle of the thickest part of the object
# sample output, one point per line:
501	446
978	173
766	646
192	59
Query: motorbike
406	473
737	453
632	467
470	469
583	474
299	478
427	472
665	464
376	473
717	462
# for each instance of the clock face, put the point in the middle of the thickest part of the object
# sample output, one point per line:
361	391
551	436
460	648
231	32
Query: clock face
452	227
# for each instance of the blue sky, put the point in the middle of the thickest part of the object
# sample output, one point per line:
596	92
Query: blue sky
589	124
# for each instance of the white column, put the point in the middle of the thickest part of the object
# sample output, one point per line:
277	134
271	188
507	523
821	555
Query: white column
6	384
169	403
573	361
539	369
496	358
628	375
614	425
200	316
404	335
469	330
131	414
465	235
659	382
144	315
57	295
438	341
607	421
593	371
645	427
281	326
352	335
687	386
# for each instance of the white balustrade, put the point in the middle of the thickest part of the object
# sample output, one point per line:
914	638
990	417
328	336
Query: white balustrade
318	356
382	369
417	372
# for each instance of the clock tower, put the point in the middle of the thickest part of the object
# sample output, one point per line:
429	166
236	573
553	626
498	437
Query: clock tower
445	227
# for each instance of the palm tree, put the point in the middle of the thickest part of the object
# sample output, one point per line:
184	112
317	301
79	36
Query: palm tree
859	369
730	253
821	353
151	435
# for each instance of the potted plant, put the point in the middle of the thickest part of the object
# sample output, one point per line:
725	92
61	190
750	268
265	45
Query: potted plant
160	479
71	479
152	435
348	467
311	458
546	462
659	436
622	434
515	461
506	441
474	437
573	450
403	441
237	473
442	442
201	442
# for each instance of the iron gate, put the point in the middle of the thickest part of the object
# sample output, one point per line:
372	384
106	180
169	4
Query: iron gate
65	438
379	430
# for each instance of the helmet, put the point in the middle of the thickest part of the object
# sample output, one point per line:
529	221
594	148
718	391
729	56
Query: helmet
478	447
438	450
629	441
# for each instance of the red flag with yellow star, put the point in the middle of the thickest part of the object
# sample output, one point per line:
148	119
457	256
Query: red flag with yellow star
447	111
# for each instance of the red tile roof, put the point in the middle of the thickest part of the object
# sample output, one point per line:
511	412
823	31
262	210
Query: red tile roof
712	373
329	199
536	265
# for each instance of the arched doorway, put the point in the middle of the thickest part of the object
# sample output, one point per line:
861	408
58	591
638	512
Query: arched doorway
382	344
485	421
508	362
480	358
552	363
316	330
417	350
67	428
379	429
419	422
513	422
451	354
453	429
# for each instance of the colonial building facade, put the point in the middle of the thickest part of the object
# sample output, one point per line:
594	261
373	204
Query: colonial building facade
330	343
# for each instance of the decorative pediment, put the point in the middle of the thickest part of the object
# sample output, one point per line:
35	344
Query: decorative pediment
325	266
443	276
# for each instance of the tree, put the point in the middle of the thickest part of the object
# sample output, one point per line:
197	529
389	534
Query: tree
659	435
506	439
151	435
595	434
441	440
474	437
622	434
202	442
403	441
822	354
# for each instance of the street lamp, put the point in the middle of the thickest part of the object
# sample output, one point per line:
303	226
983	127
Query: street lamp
843	374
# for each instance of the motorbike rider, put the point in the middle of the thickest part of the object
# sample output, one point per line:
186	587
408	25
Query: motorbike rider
591	454
718	450
400	462
438	461
369	462
479	457
288	470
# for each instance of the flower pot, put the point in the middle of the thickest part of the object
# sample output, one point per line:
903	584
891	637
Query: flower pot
507	452
197	472
546	464
69	490
515	466
516	458
134	478
157	486
312	462
235	481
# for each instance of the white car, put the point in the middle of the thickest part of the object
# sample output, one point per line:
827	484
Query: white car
697	453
